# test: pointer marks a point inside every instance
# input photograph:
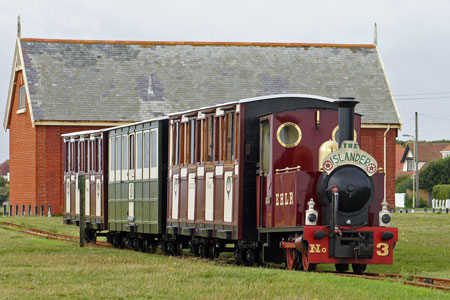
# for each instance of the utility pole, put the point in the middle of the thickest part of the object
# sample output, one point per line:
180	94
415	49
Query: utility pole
416	154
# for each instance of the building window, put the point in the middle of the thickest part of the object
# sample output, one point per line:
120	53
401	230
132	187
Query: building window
410	164
22	97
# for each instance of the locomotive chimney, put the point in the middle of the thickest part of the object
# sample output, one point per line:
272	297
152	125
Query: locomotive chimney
346	119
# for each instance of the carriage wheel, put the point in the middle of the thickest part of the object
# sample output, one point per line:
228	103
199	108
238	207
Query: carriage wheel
307	266
213	252
359	268
121	242
179	248
341	268
143	245
291	259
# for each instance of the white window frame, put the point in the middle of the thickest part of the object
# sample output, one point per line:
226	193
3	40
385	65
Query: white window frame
153	170
146	171
118	170
125	160
139	170
111	159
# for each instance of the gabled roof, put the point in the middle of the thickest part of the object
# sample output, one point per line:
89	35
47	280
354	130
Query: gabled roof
73	80
428	152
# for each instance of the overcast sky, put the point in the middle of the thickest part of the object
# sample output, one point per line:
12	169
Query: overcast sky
413	38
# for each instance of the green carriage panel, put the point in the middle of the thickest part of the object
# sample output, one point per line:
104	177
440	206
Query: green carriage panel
138	173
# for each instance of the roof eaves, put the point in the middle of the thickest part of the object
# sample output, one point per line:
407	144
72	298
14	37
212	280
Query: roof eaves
193	43
389	88
11	86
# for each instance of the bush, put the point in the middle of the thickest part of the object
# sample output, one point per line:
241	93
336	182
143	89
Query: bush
408	202
403	183
441	191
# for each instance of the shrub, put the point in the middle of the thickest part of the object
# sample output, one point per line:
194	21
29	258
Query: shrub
408	202
402	183
441	191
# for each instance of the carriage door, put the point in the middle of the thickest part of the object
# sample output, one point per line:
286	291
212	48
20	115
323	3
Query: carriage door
131	176
265	172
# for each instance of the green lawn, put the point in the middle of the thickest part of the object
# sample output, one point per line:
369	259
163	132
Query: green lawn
37	268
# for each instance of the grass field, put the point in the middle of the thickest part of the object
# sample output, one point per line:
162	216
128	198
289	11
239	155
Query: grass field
37	268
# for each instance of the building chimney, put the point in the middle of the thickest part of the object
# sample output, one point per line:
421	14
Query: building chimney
346	119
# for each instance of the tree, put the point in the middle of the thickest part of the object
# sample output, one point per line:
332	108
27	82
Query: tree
402	184
437	172
4	190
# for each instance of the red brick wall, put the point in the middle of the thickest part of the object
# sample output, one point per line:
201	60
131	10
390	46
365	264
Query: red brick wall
372	141
36	160
49	145
22	154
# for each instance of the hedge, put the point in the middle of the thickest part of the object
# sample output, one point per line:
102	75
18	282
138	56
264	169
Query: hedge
441	191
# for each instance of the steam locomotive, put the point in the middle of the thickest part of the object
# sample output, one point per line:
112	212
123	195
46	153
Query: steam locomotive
279	178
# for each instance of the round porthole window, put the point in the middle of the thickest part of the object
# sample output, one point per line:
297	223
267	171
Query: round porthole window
335	133
289	135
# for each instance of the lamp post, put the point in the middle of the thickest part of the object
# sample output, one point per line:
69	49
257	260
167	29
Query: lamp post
416	171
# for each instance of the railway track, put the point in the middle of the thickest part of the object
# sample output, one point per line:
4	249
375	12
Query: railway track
422	281
47	234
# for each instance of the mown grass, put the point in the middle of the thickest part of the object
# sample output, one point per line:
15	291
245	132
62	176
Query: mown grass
37	268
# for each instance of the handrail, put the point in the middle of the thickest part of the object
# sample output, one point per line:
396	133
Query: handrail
297	168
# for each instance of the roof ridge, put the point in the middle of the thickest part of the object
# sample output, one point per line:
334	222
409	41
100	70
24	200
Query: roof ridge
198	43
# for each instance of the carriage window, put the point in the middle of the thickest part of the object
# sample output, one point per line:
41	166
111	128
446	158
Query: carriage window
139	150
210	139
94	155
112	158
66	161
236	146
99	154
146	149
192	141
118	152
177	143
199	142
131	152
183	143
265	145
78	156
82	156
289	135
230	138
154	154
124	152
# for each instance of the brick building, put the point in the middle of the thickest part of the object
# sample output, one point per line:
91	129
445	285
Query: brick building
59	86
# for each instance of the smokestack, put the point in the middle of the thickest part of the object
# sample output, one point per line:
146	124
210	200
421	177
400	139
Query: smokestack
346	119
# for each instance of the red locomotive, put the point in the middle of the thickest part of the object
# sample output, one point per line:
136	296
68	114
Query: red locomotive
274	179
267	175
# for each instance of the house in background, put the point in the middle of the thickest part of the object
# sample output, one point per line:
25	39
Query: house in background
61	86
4	169
399	151
428	152
445	152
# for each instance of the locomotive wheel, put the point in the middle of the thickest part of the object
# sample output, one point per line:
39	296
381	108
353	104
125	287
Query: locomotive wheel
359	268
307	266
341	268
292	262
153	248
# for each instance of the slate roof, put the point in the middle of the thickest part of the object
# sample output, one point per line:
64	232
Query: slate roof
131	81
